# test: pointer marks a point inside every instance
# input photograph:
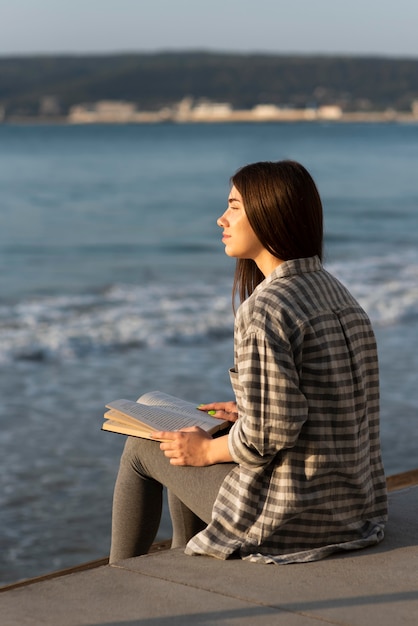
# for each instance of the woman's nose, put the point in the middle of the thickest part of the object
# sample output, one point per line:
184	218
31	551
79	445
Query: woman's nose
221	221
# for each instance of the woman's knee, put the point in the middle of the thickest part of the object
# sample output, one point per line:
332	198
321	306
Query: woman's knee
137	452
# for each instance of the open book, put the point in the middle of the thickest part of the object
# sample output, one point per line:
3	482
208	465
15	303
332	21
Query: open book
155	411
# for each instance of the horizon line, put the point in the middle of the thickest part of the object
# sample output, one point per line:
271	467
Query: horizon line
211	51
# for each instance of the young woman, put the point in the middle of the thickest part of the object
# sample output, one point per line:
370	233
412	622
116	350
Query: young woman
299	474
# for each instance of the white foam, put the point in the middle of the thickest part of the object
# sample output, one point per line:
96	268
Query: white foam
386	286
124	316
69	326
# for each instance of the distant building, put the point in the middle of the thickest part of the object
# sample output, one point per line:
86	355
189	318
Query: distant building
104	111
273	113
202	111
266	112
115	112
211	110
330	112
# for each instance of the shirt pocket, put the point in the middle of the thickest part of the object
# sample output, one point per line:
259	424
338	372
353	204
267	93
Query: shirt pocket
236	385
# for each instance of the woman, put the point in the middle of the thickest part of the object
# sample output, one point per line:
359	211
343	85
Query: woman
299	474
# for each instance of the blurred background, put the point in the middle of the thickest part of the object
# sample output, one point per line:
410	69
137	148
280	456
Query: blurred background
121	123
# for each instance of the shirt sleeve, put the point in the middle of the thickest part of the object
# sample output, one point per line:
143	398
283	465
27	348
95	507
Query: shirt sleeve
272	408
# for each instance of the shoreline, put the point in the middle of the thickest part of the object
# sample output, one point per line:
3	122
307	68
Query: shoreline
239	117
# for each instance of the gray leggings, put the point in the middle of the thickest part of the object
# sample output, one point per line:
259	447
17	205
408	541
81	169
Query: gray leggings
137	500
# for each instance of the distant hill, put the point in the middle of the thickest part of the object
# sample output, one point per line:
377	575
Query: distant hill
52	84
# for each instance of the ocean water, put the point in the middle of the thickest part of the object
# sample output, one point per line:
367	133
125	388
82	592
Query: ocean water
114	282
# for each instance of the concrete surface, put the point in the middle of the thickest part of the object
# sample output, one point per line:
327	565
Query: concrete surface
376	586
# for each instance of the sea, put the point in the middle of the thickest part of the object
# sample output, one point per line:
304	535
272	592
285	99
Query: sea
115	282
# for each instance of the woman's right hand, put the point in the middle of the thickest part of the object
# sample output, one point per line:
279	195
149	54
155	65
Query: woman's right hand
222	410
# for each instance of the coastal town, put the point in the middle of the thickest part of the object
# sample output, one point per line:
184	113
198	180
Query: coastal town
189	110
196	87
205	111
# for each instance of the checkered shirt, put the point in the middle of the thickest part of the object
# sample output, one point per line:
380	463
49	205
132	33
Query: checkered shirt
309	478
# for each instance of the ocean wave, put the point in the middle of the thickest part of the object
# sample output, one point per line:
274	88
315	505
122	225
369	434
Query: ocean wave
386	286
123	317
120	318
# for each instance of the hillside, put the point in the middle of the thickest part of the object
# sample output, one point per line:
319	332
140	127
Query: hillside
155	80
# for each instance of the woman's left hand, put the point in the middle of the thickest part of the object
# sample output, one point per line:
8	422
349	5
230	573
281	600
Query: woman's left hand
186	447
221	410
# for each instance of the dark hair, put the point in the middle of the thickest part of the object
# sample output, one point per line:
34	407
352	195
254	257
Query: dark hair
284	209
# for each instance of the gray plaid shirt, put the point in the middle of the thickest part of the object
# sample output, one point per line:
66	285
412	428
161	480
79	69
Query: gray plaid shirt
309	478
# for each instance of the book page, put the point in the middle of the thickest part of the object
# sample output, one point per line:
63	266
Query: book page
128	429
177	405
164	400
116	416
159	416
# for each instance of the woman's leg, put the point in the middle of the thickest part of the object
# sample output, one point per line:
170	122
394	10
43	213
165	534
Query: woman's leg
136	512
137	501
185	523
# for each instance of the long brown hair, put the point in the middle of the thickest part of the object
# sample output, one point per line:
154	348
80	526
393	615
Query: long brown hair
284	209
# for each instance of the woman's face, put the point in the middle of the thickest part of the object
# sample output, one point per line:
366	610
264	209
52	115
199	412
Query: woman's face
239	238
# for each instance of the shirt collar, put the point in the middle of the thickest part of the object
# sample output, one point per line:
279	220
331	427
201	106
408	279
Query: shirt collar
293	267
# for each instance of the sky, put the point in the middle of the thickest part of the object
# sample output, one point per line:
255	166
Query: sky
353	27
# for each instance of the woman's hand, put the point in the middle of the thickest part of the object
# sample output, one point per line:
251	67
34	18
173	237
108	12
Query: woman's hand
222	410
193	446
186	447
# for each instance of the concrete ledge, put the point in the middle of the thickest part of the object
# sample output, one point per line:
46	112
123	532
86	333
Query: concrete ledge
373	586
